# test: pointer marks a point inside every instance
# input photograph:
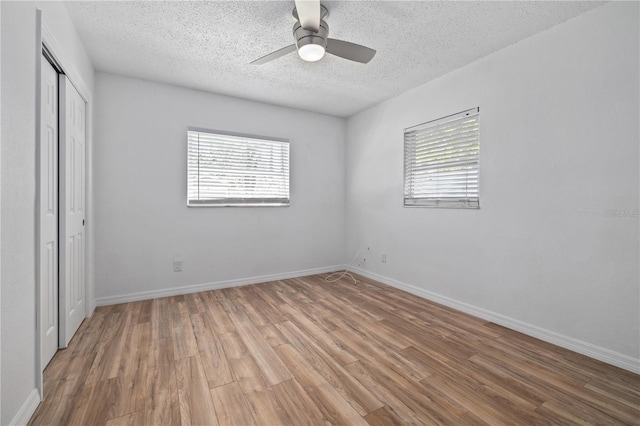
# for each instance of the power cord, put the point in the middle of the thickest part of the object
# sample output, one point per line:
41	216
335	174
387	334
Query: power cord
344	273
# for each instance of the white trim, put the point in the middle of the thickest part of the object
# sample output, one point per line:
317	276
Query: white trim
27	409
0	213
597	352
38	122
91	308
195	288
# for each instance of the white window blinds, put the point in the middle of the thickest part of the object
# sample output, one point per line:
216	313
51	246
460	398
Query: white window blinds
229	170
441	162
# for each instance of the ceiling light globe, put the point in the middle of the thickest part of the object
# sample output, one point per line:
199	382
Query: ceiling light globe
311	52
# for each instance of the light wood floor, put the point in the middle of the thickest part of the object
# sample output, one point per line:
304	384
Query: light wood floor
302	351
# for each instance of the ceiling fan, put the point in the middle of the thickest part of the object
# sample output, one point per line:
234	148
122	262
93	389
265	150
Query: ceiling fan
311	34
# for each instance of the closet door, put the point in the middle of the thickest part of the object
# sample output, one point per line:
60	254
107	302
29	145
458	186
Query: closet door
72	202
48	212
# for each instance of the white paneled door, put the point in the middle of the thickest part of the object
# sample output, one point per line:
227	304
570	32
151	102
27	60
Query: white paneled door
49	212
72	200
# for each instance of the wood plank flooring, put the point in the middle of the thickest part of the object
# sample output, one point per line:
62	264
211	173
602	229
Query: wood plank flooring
306	352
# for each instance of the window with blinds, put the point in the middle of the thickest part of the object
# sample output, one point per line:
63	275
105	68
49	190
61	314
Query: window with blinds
441	162
232	170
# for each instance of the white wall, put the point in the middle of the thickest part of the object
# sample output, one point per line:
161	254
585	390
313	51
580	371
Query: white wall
18	198
18	162
559	126
143	223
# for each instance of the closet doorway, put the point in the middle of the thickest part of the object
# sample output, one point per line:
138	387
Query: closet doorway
62	202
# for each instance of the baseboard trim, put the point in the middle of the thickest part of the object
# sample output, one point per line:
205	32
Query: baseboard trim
27	409
602	354
175	291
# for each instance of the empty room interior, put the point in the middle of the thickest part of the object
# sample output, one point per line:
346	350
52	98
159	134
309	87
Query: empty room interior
312	213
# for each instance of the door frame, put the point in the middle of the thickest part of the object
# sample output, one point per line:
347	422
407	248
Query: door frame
45	39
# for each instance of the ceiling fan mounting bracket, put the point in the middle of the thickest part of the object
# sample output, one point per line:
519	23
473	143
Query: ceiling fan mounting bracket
324	13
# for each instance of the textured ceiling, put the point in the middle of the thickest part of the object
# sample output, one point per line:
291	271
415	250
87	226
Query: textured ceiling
209	45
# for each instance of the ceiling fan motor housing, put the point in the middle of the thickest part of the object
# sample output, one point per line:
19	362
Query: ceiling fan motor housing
304	37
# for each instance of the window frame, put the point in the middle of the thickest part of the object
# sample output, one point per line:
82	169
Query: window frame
472	203
234	201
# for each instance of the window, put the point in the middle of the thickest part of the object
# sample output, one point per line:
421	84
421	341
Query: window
441	162
233	170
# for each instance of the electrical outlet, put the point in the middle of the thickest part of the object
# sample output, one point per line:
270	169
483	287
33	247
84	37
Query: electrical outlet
383	258
177	265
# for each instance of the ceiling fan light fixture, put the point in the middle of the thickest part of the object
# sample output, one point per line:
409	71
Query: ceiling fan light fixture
311	52
311	44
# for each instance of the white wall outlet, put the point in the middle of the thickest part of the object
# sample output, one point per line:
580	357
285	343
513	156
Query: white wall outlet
383	258
177	265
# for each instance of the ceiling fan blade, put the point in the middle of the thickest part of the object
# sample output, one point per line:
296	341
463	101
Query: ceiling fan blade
350	51
274	55
309	14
